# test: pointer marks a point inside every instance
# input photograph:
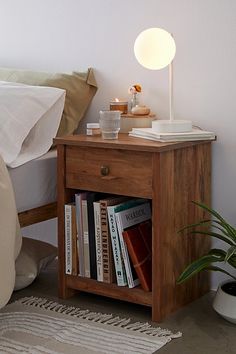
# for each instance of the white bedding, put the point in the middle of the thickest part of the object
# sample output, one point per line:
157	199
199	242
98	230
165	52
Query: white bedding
10	238
29	120
34	183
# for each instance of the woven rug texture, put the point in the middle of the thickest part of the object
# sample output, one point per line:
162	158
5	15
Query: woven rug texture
38	326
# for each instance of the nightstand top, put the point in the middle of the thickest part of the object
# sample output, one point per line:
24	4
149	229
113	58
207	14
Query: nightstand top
124	142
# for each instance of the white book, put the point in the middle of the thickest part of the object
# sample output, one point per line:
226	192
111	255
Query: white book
68	240
195	134
119	264
98	240
126	218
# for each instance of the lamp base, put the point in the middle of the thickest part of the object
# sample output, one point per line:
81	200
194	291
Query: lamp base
172	126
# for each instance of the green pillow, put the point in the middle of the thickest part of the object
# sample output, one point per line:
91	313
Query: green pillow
80	89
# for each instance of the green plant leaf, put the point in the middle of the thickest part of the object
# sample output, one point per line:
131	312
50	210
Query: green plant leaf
199	223
218	252
203	262
232	260
210	210
221	229
213	234
231	251
231	230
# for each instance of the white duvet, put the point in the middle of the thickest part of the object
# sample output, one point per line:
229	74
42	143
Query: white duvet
10	237
29	120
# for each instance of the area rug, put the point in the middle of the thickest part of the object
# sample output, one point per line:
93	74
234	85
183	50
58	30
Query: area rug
38	326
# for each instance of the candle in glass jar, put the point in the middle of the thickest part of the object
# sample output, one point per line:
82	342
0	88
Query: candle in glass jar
118	105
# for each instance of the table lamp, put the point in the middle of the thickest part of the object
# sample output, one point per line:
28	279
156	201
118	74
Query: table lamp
155	48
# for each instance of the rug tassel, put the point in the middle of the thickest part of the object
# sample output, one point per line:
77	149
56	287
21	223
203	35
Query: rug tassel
119	322
106	319
124	323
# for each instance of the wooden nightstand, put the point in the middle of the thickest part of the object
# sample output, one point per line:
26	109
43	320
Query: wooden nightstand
171	175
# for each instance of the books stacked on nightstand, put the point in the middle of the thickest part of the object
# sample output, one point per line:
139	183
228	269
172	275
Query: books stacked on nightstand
193	135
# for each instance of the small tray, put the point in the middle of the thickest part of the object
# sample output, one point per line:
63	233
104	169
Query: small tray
131	115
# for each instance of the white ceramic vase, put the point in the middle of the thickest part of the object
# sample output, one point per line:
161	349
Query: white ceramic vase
225	301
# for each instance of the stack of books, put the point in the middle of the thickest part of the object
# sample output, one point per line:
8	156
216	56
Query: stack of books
108	238
150	134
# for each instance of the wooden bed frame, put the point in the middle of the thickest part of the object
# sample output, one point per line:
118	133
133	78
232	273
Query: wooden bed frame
39	214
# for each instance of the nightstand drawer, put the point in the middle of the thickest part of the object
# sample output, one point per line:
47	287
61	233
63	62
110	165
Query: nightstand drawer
109	170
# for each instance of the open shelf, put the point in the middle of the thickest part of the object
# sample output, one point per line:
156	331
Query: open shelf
134	295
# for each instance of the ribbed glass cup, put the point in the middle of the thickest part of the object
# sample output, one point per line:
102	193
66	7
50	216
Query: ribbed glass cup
109	124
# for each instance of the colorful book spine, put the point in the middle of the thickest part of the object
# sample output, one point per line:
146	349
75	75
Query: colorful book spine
109	273
107	258
119	264
68	239
138	240
129	214
71	254
98	240
74	235
91	197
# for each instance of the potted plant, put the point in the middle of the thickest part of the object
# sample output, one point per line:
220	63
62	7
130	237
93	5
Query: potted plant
225	299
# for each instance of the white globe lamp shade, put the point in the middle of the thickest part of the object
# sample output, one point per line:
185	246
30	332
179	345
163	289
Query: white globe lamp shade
154	48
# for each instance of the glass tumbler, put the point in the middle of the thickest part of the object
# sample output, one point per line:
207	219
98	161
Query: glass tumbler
109	124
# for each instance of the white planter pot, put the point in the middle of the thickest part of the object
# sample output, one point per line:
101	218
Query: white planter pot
225	302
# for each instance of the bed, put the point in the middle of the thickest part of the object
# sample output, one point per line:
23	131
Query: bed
34	182
34	108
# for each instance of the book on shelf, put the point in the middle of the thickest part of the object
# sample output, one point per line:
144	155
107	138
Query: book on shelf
194	135
80	242
127	215
121	274
91	198
138	240
109	273
118	261
71	252
98	240
85	227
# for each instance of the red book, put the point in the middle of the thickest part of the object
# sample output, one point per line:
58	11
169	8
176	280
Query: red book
139	240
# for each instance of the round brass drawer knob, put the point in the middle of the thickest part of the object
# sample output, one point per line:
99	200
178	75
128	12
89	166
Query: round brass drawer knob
105	170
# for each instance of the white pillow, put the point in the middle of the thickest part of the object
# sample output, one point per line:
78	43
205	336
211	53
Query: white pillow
34	256
29	120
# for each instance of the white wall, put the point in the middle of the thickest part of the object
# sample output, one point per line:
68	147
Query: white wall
62	35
